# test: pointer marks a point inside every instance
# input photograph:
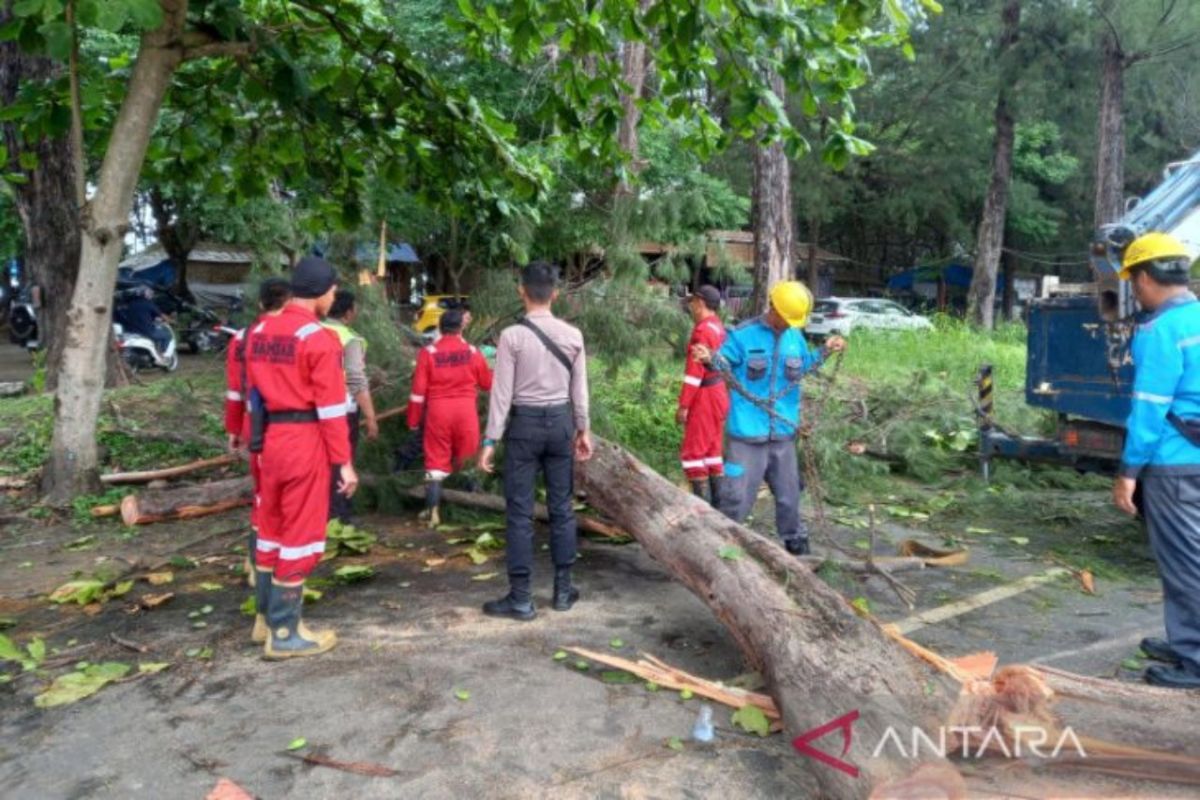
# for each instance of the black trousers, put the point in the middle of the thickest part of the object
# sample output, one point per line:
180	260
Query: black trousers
539	440
339	504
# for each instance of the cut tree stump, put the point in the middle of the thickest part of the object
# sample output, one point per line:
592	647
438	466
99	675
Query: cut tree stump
185	502
116	478
821	661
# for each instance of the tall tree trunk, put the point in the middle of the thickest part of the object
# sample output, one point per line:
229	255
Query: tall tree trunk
1110	140
74	458
814	266
771	210
981	297
46	203
633	73
177	233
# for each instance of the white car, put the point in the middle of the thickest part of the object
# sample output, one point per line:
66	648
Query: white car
838	316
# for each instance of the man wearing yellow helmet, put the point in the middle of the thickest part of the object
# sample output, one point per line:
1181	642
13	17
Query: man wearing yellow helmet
1162	445
764	359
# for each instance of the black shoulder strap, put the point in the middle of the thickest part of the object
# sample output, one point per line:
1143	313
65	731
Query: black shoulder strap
550	345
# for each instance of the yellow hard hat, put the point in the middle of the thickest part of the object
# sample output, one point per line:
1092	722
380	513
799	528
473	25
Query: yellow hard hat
793	301
1153	246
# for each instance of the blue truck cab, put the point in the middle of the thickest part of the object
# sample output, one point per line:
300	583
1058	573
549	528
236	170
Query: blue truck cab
1078	363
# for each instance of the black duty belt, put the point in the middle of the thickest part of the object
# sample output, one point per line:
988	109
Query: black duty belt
541	411
308	415
711	379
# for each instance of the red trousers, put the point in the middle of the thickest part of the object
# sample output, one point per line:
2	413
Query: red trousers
451	435
704	432
292	501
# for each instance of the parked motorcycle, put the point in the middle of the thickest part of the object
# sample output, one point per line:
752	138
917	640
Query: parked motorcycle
22	319
140	352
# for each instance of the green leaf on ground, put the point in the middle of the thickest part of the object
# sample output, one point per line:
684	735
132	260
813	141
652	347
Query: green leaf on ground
486	541
476	555
675	743
617	676
462	694
582	666
312	595
206	609
862	605
485	576
686	694
81	592
862	544
121	589
250	607
560	655
1131	664
74	686
208	586
651	686
296	744
730	552
182	562
459	540
352	573
81	542
751	719
1019	540
616	644
153	666
979	531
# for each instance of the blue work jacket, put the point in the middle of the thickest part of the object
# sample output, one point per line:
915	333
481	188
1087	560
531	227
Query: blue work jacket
769	366
1166	358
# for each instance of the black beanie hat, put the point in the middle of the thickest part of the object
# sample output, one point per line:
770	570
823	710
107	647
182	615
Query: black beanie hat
312	277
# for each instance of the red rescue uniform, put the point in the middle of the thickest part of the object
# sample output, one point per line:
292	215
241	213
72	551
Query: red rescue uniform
237	421
707	402
295	364
449	375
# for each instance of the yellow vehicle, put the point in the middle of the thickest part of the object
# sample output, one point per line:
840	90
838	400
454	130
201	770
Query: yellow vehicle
432	308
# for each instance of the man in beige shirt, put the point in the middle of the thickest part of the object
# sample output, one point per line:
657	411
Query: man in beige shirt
539	407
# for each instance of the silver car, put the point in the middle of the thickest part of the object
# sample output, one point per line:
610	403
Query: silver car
838	316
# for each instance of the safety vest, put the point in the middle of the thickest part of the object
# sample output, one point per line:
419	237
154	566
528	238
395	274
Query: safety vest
346	335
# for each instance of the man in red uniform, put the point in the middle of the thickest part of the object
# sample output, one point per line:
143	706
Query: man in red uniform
298	404
449	374
272	294
703	400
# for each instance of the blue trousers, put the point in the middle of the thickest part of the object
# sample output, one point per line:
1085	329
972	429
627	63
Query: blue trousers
1172	511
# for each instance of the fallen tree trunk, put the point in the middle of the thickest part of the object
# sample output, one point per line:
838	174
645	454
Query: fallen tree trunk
822	663
185	502
491	502
116	478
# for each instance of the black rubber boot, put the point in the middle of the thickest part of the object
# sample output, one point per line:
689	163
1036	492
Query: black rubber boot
1159	650
517	604
289	637
700	489
798	546
714	490
565	595
433	502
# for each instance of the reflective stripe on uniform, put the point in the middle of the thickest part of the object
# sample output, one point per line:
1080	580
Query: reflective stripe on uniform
331	412
308	330
698	464
714	462
304	551
264	546
1160	399
691	380
234	396
416	398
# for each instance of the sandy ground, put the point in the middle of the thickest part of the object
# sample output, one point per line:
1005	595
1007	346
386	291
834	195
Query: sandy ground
412	636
